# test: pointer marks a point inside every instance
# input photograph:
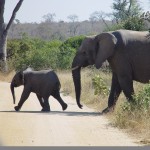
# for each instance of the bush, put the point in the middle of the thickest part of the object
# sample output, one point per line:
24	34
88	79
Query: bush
100	87
141	101
41	54
136	113
68	50
132	23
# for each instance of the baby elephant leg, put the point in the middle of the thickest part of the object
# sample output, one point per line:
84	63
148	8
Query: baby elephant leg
46	104
41	100
57	96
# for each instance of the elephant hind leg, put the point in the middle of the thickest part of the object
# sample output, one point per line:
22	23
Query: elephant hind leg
57	96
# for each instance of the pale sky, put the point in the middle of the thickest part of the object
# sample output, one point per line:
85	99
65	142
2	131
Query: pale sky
34	10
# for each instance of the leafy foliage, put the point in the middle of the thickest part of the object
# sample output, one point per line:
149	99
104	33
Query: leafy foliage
100	87
132	23
127	15
41	54
67	51
141	101
123	9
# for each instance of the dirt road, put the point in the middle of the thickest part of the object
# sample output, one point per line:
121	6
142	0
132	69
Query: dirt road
73	127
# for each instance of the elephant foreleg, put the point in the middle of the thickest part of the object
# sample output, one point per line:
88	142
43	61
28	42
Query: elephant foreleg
114	93
57	96
24	96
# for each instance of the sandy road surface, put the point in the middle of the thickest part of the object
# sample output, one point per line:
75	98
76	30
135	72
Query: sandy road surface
73	127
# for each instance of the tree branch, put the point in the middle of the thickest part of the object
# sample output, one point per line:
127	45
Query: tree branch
129	7
2	3
13	16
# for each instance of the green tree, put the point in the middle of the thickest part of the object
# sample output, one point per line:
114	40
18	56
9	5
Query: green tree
127	14
67	51
123	9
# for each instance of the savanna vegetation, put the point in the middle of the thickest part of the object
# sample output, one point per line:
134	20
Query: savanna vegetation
51	44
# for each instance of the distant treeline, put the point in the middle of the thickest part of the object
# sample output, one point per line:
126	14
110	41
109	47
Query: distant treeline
56	30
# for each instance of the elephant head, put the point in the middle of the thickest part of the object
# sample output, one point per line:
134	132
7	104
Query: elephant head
17	80
93	50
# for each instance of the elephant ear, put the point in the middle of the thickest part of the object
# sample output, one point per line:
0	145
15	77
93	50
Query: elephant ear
106	44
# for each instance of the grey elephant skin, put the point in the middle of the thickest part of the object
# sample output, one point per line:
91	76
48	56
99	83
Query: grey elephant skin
128	53
43	83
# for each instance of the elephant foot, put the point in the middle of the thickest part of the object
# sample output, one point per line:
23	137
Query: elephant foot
17	108
45	110
107	110
64	106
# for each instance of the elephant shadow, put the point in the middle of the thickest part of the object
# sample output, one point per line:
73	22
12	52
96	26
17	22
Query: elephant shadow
62	113
74	113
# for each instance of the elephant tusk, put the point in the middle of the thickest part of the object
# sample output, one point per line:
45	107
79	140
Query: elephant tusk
75	68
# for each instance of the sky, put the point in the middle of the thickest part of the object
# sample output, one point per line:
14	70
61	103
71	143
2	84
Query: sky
33	10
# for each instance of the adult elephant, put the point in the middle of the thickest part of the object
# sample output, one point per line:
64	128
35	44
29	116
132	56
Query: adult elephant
128	53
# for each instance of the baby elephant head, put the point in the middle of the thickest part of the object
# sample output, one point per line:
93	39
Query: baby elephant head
17	80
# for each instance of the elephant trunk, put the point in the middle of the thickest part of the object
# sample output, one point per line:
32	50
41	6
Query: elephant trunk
12	91
77	81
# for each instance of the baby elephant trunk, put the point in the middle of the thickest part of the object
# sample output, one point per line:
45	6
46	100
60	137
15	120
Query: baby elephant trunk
12	91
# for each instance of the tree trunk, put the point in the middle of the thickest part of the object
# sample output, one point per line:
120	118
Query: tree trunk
3	53
4	32
3	39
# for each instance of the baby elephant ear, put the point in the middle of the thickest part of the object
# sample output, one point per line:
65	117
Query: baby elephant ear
106	44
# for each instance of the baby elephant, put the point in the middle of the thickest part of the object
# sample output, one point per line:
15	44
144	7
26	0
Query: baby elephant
43	83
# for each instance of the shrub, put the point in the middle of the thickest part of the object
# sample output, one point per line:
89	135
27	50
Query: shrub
135	114
141	101
132	23
100	87
41	54
68	50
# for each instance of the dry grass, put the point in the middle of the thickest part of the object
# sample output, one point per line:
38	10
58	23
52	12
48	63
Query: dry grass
136	122
65	78
87	93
